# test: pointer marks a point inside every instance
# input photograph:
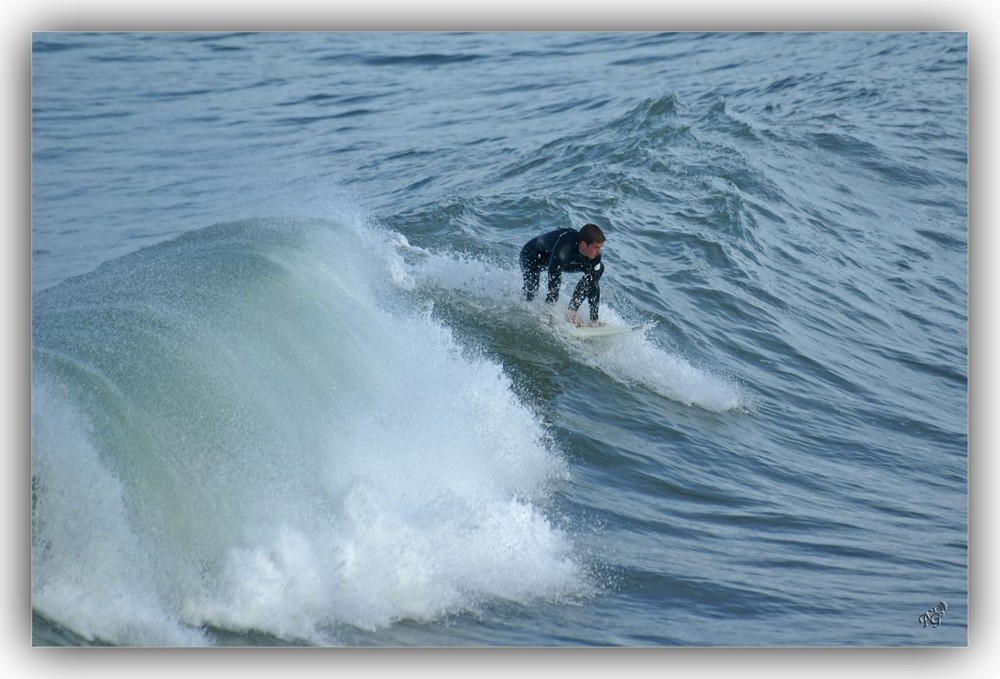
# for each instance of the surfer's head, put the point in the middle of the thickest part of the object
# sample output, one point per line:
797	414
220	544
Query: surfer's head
591	241
591	233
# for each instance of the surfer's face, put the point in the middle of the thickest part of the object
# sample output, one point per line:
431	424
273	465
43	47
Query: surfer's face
592	250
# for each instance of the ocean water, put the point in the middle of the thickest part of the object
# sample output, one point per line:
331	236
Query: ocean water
285	390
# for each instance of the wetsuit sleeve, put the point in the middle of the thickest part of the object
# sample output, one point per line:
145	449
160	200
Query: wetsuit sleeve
557	261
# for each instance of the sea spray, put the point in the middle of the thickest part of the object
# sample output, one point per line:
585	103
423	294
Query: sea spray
483	287
640	360
277	445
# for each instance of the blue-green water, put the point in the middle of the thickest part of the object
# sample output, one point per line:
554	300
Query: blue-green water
284	389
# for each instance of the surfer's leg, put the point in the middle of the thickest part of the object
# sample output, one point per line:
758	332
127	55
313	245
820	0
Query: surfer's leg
531	269
588	288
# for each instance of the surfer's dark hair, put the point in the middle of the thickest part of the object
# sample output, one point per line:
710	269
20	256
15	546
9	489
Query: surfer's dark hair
591	233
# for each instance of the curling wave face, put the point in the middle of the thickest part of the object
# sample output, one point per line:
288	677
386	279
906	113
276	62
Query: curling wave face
249	428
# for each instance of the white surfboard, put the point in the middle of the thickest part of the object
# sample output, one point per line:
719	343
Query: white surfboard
594	331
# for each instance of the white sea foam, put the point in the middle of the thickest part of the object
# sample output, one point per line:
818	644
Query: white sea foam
90	570
640	360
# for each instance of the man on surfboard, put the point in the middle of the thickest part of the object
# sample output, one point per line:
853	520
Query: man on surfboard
566	250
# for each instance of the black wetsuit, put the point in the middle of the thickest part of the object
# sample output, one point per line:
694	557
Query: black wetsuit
559	251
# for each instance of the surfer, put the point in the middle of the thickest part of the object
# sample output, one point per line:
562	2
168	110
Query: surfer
566	250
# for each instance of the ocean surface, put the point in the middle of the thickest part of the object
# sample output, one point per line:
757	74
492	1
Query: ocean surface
285	390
